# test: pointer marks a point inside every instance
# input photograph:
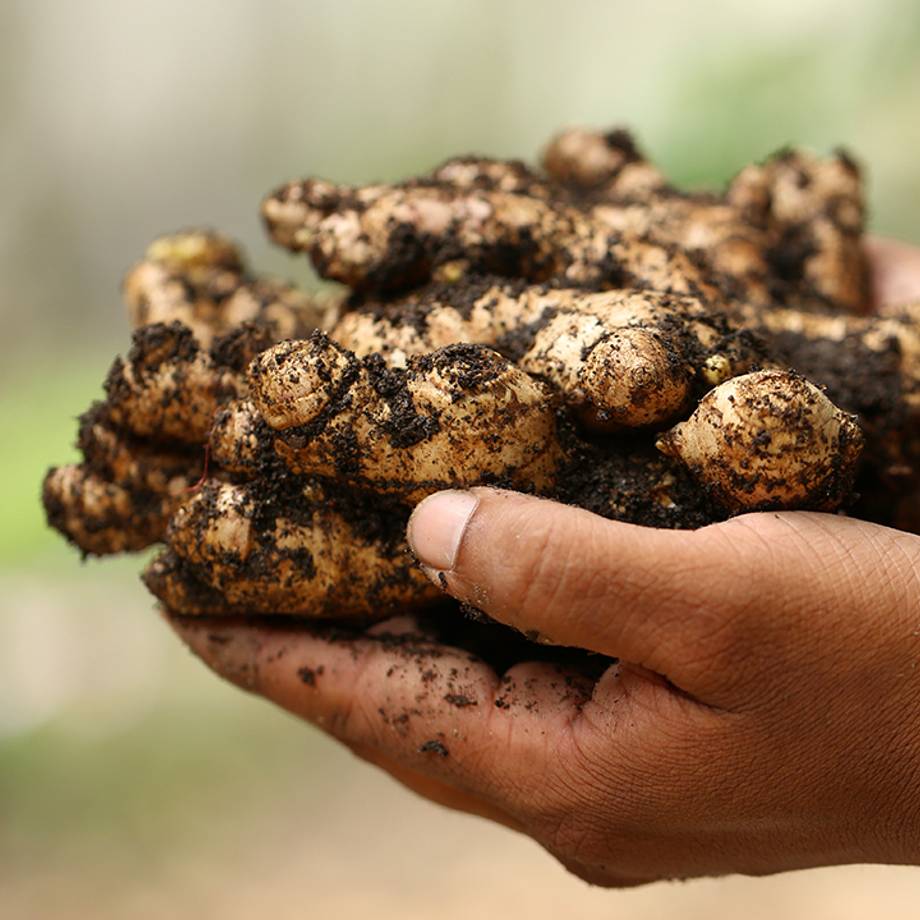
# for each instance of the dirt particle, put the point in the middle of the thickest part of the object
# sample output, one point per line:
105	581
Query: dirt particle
460	700
309	675
433	746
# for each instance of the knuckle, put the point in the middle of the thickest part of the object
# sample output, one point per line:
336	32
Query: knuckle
705	603
762	578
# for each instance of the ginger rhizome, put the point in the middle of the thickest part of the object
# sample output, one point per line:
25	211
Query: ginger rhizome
200	317
584	332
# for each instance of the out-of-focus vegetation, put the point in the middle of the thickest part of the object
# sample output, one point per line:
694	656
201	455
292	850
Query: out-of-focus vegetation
131	783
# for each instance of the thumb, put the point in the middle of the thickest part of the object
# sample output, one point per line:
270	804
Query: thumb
573	578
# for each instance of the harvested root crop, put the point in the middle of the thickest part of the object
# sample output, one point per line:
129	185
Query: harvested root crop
632	358
198	278
405	431
201	318
100	516
584	332
769	439
303	558
393	238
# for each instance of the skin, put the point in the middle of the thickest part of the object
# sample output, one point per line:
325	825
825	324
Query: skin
763	716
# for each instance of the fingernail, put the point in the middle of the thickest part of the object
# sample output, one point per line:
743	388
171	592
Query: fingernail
437	526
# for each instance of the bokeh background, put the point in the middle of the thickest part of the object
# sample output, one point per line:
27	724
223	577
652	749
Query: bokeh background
132	783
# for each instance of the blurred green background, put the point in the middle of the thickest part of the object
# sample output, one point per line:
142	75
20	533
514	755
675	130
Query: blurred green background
131	782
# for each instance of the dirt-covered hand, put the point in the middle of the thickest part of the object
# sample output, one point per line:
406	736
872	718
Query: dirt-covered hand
762	716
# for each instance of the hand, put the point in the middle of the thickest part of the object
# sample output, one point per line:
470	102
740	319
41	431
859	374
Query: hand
765	714
895	271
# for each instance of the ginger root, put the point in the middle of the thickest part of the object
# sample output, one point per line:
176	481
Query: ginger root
403	430
200	318
584	332
602	217
390	239
305	559
199	279
768	439
98	515
633	357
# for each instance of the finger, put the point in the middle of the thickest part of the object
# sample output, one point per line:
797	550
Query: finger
895	271
241	670
690	605
567	576
435	790
382	690
542	686
432	708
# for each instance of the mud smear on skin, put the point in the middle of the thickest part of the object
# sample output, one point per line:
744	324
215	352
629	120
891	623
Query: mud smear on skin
442	656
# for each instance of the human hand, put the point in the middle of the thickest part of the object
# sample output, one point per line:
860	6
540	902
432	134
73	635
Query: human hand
767	721
763	716
895	271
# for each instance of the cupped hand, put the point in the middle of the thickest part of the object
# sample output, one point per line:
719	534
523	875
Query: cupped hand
768	717
764	713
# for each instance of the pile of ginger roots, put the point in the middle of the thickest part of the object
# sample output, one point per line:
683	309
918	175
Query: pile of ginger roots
584	332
